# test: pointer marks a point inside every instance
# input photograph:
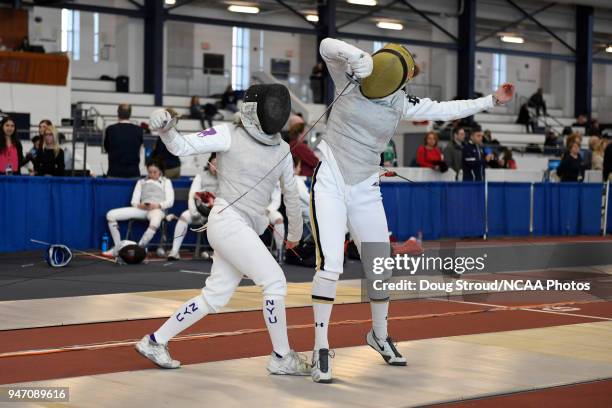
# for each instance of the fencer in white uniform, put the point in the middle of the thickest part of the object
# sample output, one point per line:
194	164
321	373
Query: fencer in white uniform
251	158
151	197
345	186
205	181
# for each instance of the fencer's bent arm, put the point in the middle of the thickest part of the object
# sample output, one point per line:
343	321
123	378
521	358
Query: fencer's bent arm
291	197
336	55
169	195
196	186
426	109
136	194
215	139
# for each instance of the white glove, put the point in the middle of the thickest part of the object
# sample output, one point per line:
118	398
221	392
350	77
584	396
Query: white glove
161	120
361	65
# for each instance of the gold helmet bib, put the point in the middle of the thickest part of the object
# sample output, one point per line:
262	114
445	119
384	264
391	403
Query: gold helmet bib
394	66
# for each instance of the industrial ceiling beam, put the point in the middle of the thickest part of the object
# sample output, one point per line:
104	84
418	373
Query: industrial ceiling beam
368	14
90	8
542	26
294	11
430	20
514	23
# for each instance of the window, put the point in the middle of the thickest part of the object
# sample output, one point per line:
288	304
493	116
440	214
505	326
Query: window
96	37
377	45
240	58
499	70
71	29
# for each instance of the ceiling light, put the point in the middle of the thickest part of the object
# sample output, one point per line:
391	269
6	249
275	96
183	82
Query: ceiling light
170	2
389	26
512	39
243	9
609	48
312	18
363	2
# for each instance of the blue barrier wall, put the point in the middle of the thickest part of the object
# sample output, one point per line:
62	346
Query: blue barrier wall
72	210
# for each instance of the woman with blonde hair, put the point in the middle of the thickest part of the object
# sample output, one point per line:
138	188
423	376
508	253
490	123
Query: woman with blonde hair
597	160
49	160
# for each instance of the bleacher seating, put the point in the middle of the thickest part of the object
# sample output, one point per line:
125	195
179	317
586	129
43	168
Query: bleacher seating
100	97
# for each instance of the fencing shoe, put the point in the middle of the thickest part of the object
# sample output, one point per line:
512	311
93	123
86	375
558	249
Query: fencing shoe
291	364
157	353
386	348
321	366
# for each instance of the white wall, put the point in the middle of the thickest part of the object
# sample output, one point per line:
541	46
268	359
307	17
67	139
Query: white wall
41	101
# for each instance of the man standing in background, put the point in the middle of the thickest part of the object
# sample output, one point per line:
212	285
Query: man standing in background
453	152
122	142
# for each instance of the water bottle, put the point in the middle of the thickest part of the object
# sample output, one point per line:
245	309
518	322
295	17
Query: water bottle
9	169
105	242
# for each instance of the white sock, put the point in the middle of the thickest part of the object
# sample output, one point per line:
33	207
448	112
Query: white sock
380	311
113	227
147	237
276	321
185	316
323	295
279	235
179	235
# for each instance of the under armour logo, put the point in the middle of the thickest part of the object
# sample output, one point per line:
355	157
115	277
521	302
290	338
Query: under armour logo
319	324
413	99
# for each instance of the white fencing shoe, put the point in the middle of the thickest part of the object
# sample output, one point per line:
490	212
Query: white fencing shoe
157	353
386	348
321	366
292	364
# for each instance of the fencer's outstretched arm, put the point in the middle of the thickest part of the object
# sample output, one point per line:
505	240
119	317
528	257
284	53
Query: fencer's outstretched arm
426	109
342	58
215	139
291	198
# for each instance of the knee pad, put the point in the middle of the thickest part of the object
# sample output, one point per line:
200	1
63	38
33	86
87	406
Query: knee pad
110	217
323	288
276	287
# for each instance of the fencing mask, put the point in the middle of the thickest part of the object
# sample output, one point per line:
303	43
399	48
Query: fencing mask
131	253
265	111
58	256
394	66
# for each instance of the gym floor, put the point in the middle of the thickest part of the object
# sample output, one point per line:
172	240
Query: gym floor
76	327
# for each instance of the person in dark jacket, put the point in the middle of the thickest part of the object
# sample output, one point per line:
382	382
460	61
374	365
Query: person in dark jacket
49	161
453	152
524	118
571	167
537	101
122	142
474	158
160	154
228	100
11	151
